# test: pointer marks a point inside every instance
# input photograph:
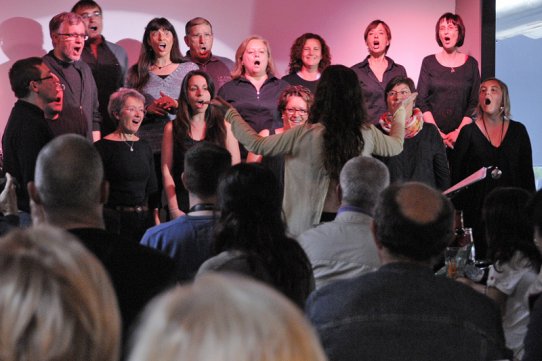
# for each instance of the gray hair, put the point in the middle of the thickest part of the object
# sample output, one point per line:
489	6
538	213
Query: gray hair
118	98
69	174
56	299
224	318
362	179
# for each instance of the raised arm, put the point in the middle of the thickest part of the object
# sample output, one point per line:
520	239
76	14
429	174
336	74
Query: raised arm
167	166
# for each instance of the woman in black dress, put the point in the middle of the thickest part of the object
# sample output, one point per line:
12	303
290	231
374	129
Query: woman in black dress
493	140
129	168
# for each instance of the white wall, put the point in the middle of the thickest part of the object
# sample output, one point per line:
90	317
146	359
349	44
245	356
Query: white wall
24	32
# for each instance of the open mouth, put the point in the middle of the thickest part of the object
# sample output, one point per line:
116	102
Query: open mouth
162	46
257	62
487	101
93	28
376	43
447	38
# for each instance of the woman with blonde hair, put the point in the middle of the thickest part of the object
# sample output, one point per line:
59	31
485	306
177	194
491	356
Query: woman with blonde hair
56	300
254	89
224	318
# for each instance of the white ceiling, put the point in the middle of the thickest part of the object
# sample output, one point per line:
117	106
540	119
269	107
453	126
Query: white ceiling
518	17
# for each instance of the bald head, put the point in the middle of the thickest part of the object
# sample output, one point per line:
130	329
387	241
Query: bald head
69	176
362	180
414	221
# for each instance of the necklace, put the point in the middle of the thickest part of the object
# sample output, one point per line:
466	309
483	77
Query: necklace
131	146
162	67
487	133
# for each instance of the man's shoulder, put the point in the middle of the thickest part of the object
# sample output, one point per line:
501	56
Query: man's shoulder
228	62
113	250
175	230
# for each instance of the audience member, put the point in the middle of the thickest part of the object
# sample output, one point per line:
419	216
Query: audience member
227	319
196	121
56	300
69	191
187	239
516	261
345	247
250	235
532	344
254	89
199	38
402	311
129	168
375	72
80	113
423	158
495	141
449	81
316	151
27	130
108	61
309	56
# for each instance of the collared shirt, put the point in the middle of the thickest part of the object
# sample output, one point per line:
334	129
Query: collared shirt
80	112
218	67
373	89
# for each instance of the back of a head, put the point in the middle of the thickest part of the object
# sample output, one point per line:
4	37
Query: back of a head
338	98
224	318
204	164
250	193
56	300
535	206
69	174
507	224
362	179
414	221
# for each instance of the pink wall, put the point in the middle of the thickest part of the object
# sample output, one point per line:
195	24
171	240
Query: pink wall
341	23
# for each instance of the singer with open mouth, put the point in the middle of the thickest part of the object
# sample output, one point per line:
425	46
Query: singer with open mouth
449	81
493	140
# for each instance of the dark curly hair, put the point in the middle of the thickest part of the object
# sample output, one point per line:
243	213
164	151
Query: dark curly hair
297	49
338	105
508	226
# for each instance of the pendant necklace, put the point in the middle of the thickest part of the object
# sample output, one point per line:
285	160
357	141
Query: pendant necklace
162	67
487	133
131	146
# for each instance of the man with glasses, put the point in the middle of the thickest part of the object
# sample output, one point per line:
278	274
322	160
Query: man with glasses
80	113
27	130
199	38
108	61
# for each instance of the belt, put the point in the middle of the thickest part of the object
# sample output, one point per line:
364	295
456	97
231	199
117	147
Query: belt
137	209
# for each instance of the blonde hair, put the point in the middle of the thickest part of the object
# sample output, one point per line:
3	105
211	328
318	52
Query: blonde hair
56	300
505	105
224	318
239	69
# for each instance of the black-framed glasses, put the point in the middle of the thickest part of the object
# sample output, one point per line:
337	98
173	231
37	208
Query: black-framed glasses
95	14
57	83
74	36
393	93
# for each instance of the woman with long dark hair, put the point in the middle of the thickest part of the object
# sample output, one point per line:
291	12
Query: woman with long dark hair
250	235
337	130
196	121
516	260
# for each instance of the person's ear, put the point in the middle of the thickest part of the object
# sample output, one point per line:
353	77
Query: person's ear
33	192
183	179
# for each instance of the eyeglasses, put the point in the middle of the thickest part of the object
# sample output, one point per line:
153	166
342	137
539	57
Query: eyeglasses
57	83
449	28
95	14
292	111
133	110
74	36
393	93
